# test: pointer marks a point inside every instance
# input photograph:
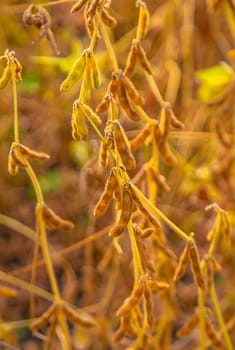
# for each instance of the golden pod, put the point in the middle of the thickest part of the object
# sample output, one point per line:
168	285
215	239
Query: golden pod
143	21
6	76
12	167
81	318
147	232
90	114
125	104
32	154
141	54
187	328
44	318
103	156
75	74
103	106
131	91
195	264
166	153
95	75
160	180
79	127
156	285
123	147
145	258
7	292
140	138
125	215
148	305
91	10
130	303
213	335
181	267
106	197
113	85
78	5
54	221
16	157
131	62
109	20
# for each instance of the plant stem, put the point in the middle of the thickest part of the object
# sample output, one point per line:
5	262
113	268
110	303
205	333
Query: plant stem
15	103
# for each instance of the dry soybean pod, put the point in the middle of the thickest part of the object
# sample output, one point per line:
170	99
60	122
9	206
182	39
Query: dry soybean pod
130	303
32	154
12	167
131	91
103	106
78	5
124	102
156	285
95	75
166	153
212	335
181	267
103	154
148	304
141	54
123	147
79	127
90	114
6	76
91	10
160	180
81	318
106	196
55	221
17	156
187	328
140	138
143	20
195	264
44	318
75	74
125	215
131	61
109	20
146	260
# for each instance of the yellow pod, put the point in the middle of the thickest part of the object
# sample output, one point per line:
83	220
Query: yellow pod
90	114
54	221
78	5
195	264
131	62
91	10
106	196
181	267
131	302
125	215
12	167
123	147
32	154
143	58
138	141
75	74
16	155
95	75
131	91
166	153
160	180
143	23
81	318
6	76
146	260
109	20
103	156
187	328
44	318
79	127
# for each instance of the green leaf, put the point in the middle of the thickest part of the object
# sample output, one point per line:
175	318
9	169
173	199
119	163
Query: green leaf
215	76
